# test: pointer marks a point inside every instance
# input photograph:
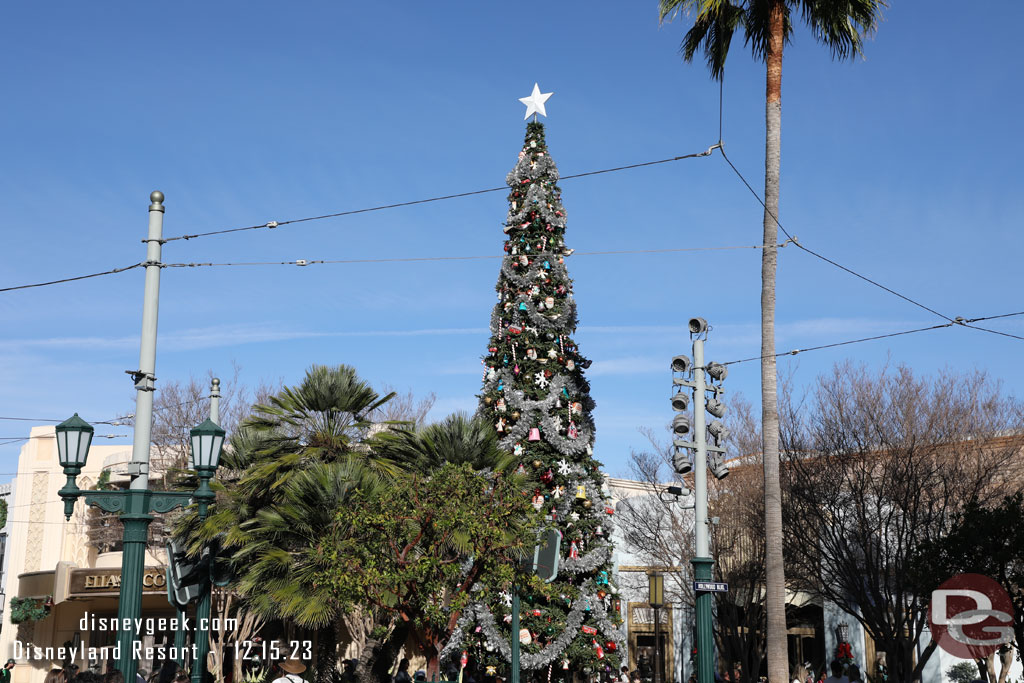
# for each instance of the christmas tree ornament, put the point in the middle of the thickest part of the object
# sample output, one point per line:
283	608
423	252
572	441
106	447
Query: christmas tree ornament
611	646
587	504
488	400
549	302
524	636
536	464
491	670
565	665
500	405
515	415
573	432
517	450
589	630
534	434
531	354
499	426
547	477
563	467
552	353
598	650
538	502
574	550
581	492
558	491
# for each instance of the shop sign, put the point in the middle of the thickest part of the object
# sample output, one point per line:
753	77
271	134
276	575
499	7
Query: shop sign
101	581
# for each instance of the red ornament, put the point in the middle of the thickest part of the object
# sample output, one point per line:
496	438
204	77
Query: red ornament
611	646
589	630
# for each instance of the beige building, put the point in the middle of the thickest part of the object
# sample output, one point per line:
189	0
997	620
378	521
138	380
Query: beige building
51	560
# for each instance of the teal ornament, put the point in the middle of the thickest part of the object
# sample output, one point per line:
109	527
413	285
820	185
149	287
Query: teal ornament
501	385
522	305
602	577
564	392
547	266
504	361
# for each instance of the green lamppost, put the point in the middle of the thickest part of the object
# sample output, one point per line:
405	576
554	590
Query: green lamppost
133	506
204	457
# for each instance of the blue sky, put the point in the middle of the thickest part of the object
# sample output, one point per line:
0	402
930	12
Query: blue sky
903	166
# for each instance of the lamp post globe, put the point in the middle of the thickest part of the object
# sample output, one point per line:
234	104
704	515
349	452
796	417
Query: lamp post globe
207	441
204	457
74	436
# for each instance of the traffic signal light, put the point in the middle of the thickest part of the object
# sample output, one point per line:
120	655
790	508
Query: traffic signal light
220	573
185	576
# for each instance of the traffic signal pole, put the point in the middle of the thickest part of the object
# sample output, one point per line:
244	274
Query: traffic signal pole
702	562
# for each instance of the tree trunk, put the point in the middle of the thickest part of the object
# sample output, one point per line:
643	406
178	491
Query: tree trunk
326	654
775	577
378	656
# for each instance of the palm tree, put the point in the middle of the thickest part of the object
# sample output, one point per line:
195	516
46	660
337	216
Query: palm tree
766	25
291	465
457	439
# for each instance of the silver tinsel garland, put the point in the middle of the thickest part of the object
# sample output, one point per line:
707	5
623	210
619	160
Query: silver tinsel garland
526	278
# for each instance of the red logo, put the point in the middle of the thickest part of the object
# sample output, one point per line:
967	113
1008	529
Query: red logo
970	616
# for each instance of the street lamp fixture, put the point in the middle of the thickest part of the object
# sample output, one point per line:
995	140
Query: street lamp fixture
74	436
204	457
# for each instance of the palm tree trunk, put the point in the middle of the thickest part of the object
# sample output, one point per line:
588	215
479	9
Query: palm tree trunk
775	578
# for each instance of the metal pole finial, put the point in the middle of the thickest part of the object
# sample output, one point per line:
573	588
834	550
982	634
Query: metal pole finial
157	197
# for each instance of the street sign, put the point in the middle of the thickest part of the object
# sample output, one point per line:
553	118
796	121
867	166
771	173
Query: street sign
710	586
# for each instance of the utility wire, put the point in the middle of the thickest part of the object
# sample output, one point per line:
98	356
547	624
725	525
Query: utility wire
305	262
963	322
72	279
276	224
721	148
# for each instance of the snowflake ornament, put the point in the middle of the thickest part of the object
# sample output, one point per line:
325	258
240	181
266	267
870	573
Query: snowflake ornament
506	598
563	467
540	380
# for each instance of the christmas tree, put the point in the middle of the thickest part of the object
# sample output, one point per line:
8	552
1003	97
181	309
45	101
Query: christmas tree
536	395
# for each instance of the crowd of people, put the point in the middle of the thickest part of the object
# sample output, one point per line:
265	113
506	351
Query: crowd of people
839	673
70	673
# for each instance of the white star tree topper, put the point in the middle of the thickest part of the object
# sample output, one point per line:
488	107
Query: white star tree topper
535	102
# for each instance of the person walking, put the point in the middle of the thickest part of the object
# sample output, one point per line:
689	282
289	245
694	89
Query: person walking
291	667
853	673
5	673
403	672
837	673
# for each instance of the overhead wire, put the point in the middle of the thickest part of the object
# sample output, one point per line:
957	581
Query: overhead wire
310	262
276	224
72	279
962	322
